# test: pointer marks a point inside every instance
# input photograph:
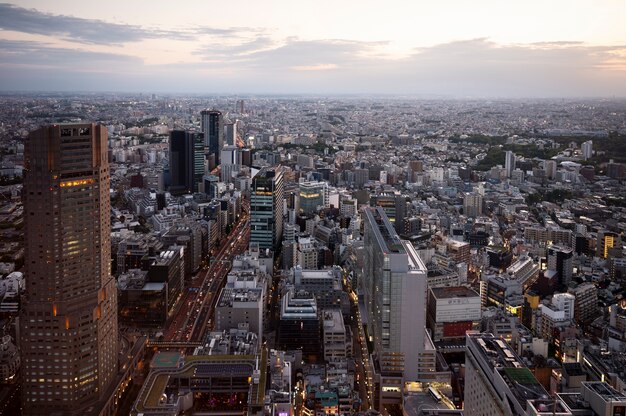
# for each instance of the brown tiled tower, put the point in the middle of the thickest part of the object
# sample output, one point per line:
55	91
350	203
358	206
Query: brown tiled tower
68	325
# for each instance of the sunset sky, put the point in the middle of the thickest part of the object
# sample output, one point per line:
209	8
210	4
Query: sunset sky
481	48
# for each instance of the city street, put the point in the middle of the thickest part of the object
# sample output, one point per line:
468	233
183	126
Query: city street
195	310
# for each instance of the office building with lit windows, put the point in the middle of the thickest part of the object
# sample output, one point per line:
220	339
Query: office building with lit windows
266	208
68	323
313	195
606	240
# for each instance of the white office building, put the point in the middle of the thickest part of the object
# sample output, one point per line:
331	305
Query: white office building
394	293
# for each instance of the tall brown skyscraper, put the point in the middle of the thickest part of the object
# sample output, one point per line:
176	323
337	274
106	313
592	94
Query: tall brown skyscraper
68	324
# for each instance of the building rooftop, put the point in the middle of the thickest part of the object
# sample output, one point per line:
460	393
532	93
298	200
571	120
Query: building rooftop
386	235
333	319
574	401
154	286
457	244
560	248
198	369
523	261
573	369
316	274
453	292
605	391
549	406
416	402
133	279
239	295
298	305
233	342
415	261
502	359
166	359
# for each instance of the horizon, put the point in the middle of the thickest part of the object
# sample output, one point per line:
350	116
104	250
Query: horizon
564	49
363	95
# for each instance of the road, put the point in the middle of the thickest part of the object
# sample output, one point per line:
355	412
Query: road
364	378
195	309
222	265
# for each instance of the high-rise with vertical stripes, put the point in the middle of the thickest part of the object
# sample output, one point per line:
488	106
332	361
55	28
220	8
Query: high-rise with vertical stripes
393	290
266	208
68	322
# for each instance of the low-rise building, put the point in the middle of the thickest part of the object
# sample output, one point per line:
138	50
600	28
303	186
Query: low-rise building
337	342
241	301
452	311
141	303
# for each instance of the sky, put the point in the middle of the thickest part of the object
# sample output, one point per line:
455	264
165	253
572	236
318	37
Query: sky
443	48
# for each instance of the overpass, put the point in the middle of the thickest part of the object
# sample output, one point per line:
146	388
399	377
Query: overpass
173	344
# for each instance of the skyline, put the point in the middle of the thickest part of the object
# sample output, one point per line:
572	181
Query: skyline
561	49
353	257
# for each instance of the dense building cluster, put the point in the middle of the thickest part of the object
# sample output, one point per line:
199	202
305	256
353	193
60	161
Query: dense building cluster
309	256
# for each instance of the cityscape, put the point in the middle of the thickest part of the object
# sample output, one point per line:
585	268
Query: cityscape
334	245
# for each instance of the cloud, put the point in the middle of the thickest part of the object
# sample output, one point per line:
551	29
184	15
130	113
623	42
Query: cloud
309	53
317	67
15	54
482	67
557	43
474	67
220	51
93	31
292	54
229	32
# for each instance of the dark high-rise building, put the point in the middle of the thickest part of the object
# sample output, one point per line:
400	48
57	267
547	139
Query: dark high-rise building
560	259
230	134
169	268
137	181
181	162
581	244
239	107
186	161
299	325
210	185
266	208
616	170
161	201
68	323
213	129
246	157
